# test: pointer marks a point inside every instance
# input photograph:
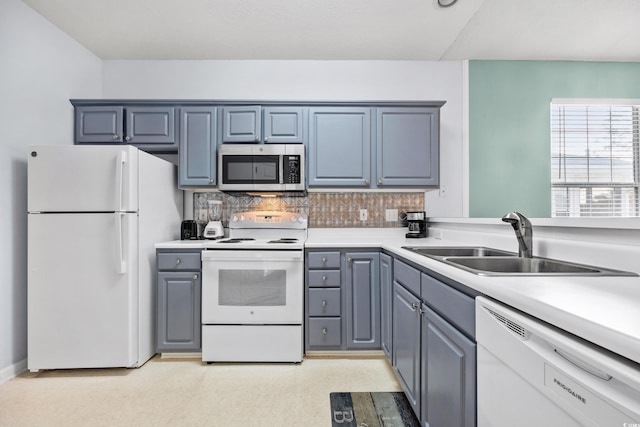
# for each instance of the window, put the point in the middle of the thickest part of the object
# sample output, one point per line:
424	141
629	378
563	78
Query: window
594	158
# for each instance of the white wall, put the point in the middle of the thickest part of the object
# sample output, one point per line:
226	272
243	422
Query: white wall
312	80
41	68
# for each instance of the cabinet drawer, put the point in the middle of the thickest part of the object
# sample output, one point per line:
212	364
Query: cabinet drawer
324	278
407	276
179	261
324	302
324	260
325	332
453	305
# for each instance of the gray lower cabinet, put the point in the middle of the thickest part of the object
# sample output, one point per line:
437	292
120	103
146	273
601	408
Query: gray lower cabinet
178	324
150	128
339	147
386	303
342	310
323	317
362	300
406	343
448	374
198	143
433	354
407	143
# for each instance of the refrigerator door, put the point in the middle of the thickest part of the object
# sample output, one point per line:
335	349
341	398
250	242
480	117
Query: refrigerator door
82	178
83	291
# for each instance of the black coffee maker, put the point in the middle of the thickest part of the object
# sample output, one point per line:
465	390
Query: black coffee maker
417	223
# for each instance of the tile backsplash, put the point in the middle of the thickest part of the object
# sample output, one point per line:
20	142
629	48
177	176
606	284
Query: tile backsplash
324	210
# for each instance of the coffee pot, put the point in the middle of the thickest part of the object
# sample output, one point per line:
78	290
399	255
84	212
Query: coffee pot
417	224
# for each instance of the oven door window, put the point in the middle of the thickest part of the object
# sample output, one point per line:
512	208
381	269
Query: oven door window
252	288
249	169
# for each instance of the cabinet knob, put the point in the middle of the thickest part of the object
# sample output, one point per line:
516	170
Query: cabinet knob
420	311
178	261
324	278
379	180
266	139
349	260
414	306
324	331
195	277
324	303
211	181
127	138
257	139
366	181
324	259
115	136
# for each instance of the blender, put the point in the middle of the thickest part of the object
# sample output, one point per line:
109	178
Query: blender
214	228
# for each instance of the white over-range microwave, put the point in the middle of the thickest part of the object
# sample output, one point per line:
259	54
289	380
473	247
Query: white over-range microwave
261	167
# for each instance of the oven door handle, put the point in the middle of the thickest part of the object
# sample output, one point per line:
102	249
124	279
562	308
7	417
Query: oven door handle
249	255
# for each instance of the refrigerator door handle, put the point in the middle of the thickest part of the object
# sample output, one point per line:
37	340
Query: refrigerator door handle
120	162
120	260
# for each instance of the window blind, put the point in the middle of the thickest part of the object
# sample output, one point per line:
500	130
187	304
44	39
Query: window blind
594	159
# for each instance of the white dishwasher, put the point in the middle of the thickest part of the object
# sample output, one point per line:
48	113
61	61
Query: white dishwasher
533	374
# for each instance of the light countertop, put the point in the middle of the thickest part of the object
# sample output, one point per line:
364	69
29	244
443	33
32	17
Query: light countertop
602	310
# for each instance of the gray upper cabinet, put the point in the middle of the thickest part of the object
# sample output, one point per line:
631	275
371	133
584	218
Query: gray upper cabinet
339	147
103	124
407	146
198	142
363	300
283	125
241	124
151	128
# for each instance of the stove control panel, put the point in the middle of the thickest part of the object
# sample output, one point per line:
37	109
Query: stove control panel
268	219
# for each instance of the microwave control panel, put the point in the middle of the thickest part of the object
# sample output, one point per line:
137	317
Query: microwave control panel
292	169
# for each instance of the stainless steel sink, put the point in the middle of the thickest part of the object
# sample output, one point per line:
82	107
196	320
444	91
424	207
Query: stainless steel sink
457	251
494	262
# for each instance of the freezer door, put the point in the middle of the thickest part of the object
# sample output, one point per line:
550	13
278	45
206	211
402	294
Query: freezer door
82	291
79	178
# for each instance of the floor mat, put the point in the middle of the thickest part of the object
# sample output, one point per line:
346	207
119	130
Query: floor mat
378	409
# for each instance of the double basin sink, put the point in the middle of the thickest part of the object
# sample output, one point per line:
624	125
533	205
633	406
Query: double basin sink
495	262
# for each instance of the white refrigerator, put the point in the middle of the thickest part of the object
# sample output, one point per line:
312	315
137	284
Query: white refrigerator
94	215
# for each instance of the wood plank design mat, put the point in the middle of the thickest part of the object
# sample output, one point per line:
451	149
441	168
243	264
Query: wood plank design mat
380	409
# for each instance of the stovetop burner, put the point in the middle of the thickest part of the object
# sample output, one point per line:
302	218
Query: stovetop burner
236	240
284	240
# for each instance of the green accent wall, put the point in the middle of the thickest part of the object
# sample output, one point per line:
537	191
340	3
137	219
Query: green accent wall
509	129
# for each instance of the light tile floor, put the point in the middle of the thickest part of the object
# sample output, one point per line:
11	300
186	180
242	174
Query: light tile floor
186	392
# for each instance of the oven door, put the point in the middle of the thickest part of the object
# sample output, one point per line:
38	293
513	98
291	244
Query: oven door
252	287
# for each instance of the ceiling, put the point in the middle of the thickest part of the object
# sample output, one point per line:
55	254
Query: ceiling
580	30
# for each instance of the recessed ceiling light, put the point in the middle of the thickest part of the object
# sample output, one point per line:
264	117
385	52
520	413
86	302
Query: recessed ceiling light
446	3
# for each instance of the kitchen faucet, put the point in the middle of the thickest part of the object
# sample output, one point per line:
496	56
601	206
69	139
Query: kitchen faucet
524	233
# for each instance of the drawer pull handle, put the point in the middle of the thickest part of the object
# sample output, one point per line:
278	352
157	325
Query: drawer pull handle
324	331
178	261
324	259
324	303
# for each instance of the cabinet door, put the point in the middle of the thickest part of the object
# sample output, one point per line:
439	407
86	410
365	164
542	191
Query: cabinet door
99	124
448	374
407	146
406	343
197	146
363	300
340	147
179	326
241	124
386	300
283	125
151	125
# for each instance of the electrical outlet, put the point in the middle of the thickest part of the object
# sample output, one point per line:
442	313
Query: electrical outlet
363	214
391	215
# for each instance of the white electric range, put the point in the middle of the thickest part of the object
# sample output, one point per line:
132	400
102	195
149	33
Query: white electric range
253	289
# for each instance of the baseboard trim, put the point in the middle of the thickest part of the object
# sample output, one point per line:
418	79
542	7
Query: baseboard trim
12	371
349	354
